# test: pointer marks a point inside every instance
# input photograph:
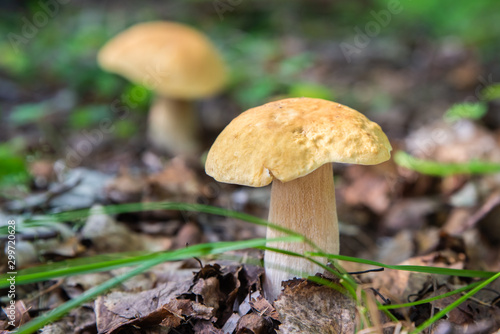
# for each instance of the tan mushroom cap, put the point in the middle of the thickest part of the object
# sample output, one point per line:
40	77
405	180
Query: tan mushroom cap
170	58
290	138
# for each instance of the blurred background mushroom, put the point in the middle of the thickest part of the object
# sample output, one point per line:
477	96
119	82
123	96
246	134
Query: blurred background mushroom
180	65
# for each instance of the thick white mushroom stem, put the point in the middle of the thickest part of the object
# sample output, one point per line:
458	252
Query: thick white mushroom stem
173	126
307	206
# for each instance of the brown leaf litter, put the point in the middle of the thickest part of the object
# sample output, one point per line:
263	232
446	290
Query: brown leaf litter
202	304
176	182
217	299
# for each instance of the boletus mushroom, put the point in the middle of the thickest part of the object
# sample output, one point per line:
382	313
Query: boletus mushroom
180	65
292	143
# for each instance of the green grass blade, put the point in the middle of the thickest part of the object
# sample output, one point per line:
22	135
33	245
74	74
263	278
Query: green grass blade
140	207
151	206
345	279
456	303
429	300
387	312
434	168
77	267
420	269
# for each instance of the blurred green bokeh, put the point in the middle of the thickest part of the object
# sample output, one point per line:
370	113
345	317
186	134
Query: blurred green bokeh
13	167
467	110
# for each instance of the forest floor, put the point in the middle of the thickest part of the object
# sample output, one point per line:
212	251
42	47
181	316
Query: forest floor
387	213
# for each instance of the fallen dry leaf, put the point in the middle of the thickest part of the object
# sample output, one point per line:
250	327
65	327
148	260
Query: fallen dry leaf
411	213
397	248
371	187
119	309
78	321
210	296
457	221
445	326
109	235
231	323
177	182
472	313
184	308
16	313
189	234
209	290
262	306
397	285
68	248
253	323
126	187
206	327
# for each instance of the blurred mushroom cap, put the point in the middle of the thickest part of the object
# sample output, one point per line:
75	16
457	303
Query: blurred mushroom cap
169	58
290	138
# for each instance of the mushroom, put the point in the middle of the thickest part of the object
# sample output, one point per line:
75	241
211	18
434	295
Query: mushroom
177	62
293	142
